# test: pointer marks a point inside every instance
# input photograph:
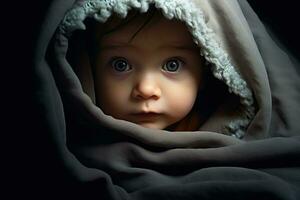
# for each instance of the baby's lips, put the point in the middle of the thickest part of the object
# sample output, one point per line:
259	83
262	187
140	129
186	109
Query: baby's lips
146	115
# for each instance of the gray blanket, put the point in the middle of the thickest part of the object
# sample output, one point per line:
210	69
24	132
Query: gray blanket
251	152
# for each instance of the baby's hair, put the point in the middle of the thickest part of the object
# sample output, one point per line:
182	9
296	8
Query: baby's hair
147	21
91	24
152	11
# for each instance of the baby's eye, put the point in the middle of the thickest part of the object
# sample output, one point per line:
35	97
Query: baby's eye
172	65
120	65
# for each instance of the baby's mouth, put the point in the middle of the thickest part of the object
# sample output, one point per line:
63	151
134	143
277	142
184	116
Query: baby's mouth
145	116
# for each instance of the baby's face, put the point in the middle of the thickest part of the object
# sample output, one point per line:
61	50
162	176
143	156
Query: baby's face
152	80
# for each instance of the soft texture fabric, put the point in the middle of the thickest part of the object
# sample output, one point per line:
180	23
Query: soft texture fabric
247	149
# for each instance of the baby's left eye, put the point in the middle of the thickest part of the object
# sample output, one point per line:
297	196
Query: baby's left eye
120	65
172	65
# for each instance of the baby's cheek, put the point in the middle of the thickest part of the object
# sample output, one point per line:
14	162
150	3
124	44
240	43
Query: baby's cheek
114	99
182	102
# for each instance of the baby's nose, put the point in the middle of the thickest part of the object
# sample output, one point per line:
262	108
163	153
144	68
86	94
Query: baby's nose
146	88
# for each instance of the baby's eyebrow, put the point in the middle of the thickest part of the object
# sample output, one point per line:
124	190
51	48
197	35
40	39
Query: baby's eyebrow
183	47
115	46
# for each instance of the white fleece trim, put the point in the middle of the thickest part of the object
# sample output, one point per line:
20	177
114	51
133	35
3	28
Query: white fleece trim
186	11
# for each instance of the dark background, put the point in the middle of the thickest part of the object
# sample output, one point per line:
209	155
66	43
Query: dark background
32	161
283	18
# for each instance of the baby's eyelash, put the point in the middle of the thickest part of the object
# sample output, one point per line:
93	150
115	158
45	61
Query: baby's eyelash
180	59
173	65
115	58
119	64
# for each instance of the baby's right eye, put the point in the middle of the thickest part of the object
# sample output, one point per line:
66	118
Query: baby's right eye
120	64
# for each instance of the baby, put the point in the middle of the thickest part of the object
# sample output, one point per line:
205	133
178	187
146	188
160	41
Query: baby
146	70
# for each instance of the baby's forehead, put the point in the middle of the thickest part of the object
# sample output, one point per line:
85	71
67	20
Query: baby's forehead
157	30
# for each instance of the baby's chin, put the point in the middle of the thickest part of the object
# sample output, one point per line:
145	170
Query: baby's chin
153	125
